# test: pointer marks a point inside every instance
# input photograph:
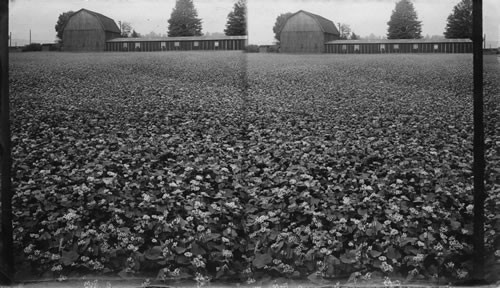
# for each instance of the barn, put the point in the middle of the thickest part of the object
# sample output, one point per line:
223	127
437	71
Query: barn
399	46
305	32
187	43
88	31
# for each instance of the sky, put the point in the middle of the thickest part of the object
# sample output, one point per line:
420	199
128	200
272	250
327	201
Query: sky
365	17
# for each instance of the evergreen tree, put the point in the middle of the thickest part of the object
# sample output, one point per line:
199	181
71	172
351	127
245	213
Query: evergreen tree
404	22
460	21
184	20
61	22
354	36
236	20
280	22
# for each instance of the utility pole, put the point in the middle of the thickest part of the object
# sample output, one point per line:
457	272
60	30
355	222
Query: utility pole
7	258
30	36
479	147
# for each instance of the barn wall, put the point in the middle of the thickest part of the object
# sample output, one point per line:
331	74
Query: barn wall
83	32
84	40
331	37
112	35
159	45
302	42
423	47
302	34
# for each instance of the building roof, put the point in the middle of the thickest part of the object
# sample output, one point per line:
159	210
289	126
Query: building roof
185	38
107	23
399	41
326	25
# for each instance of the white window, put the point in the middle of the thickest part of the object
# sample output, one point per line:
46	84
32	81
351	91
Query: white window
344	47
436	46
125	45
216	43
382	46
137	45
177	44
356	47
196	44
396	46
163	45
415	46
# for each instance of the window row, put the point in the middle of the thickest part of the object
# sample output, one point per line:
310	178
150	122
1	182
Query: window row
164	44
382	47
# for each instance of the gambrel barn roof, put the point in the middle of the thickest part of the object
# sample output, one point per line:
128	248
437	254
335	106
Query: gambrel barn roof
107	23
325	25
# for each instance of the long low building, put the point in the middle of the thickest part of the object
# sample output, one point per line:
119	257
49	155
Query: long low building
399	46
177	43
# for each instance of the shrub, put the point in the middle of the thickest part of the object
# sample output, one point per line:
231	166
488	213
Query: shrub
252	49
55	47
32	47
273	49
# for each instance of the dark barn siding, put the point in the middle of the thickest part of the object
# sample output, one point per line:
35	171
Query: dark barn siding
302	42
399	46
177	44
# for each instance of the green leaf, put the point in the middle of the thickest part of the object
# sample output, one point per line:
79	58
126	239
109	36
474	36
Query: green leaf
155	253
316	279
392	253
455	225
197	249
69	257
375	253
362	212
179	249
262	260
348	258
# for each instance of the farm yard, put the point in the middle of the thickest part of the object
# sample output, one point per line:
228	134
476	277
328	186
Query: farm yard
244	167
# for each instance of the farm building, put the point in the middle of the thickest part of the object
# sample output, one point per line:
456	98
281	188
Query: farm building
88	31
399	46
177	43
305	32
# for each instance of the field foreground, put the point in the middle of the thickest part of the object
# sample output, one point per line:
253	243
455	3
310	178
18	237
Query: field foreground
241	167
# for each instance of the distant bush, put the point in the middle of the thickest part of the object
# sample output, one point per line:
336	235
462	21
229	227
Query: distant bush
252	49
55	47
32	47
273	49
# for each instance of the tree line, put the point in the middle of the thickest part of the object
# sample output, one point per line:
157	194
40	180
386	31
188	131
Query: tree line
404	23
184	21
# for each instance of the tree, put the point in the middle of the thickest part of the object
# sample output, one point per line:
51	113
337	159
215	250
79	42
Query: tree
125	28
215	34
153	34
61	22
236	20
344	30
460	21
184	20
280	22
354	36
404	22
135	34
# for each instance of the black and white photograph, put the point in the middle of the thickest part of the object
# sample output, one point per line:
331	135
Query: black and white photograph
249	143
